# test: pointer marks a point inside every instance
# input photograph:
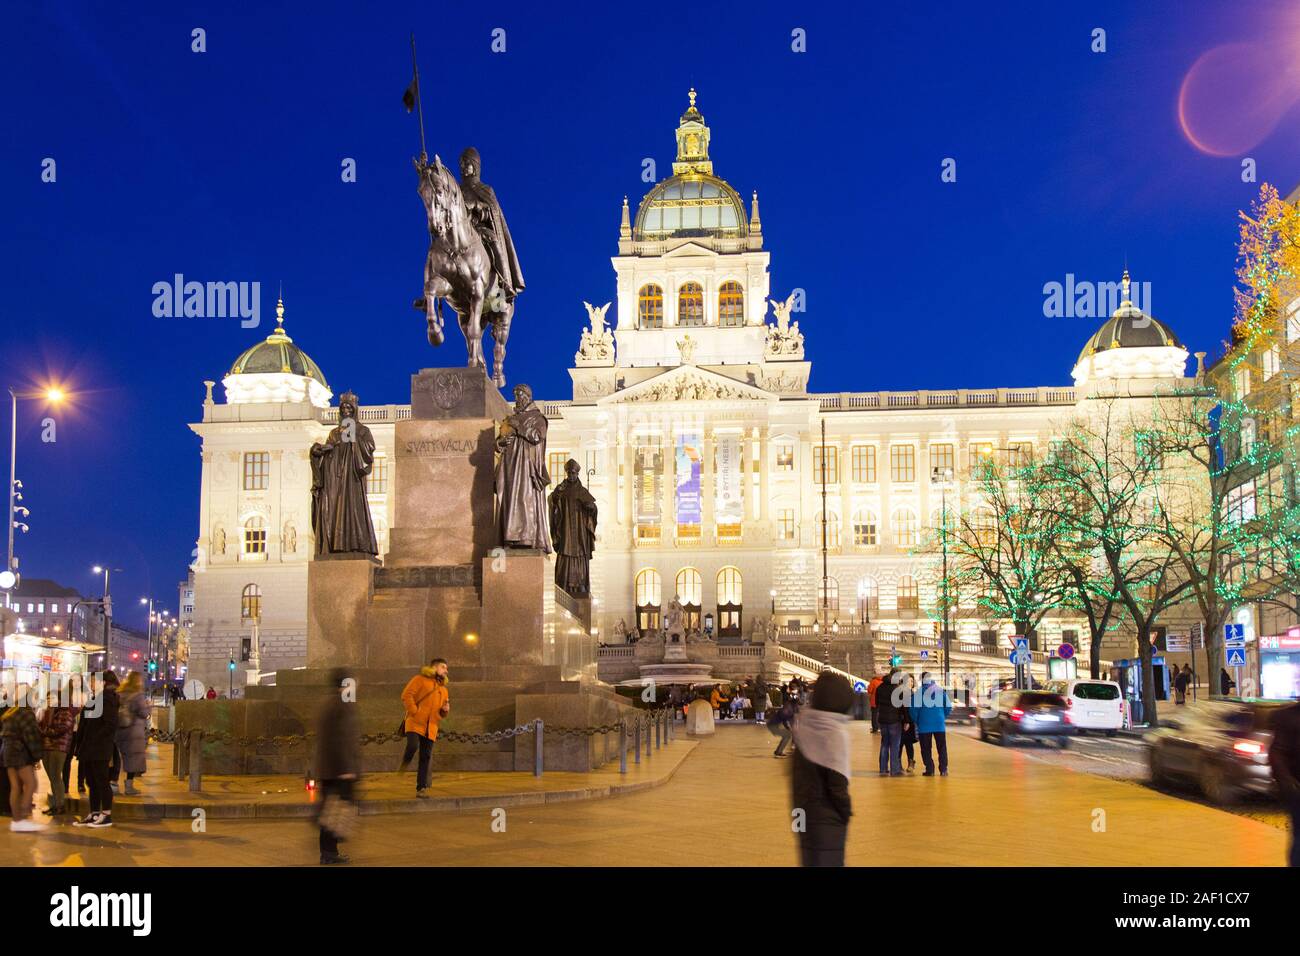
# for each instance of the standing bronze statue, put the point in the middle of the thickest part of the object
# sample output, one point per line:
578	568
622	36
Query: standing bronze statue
522	478
573	532
340	514
471	263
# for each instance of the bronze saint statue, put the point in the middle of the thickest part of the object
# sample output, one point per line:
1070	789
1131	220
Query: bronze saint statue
471	263
340	514
521	478
573	532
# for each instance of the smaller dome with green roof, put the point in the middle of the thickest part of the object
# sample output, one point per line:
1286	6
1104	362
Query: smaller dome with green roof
276	370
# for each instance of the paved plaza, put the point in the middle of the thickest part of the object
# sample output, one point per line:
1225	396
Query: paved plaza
726	799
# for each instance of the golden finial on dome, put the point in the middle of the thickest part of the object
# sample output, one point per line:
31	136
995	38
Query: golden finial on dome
691	94
1125	283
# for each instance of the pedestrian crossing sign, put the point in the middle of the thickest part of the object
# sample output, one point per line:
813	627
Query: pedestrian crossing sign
1236	657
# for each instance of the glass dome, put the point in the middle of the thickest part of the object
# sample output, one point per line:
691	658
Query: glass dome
690	206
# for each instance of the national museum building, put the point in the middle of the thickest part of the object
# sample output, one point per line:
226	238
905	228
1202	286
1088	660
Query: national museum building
692	420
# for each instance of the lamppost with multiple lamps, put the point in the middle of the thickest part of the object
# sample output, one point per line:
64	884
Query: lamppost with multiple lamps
9	574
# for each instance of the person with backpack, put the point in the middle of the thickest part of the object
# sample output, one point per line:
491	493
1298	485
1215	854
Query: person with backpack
21	750
427	702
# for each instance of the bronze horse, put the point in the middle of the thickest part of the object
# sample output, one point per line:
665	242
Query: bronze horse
459	270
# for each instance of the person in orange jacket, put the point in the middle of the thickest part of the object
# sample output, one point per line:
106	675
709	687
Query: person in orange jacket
872	686
427	702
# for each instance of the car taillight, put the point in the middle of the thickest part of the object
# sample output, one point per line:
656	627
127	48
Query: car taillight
1016	713
1069	702
1251	748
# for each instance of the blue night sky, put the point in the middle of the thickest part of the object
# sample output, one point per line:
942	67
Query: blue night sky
225	166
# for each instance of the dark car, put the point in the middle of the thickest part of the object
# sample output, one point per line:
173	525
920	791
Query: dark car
1221	746
1026	713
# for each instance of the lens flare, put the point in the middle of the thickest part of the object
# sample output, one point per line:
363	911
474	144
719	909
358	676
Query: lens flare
1234	95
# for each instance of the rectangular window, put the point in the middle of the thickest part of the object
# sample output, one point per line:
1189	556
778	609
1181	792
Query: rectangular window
943	465
826	464
902	463
1242	381
1241	503
1020	454
1293	321
785	457
377	480
864	463
257	470
785	524
555	465
1271	360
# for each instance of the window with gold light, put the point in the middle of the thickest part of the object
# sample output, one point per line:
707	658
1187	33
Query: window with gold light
250	603
255	538
909	596
864	463
731	304
904	528
826	464
650	307
690	305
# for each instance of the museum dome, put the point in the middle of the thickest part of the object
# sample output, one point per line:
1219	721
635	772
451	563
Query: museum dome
276	370
693	202
1131	344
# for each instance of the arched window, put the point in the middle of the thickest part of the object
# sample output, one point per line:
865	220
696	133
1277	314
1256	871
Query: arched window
650	307
731	304
830	589
250	603
864	528
868	595
690	591
690	304
909	598
649	599
255	538
832	530
904	528
729	603
985	525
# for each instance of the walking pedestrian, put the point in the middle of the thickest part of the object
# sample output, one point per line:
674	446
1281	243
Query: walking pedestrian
80	692
21	750
760	700
427	702
96	749
891	711
57	722
873	685
1181	680
338	766
820	777
133	729
1284	756
781	723
930	709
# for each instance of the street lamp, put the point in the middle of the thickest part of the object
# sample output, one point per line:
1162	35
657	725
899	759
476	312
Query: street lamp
944	475
108	610
9	574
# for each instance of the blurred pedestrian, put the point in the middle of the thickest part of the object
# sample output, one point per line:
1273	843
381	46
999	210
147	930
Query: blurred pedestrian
872	686
1284	756
1226	683
820	777
57	722
427	702
930	709
80	693
1181	680
760	700
338	766
891	711
21	750
97	746
133	729
781	723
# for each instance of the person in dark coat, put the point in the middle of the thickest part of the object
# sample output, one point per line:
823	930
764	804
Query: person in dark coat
1284	756
338	762
21	750
820	778
1226	683
891	712
97	747
132	730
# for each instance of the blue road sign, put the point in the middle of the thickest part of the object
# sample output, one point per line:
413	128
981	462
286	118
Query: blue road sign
1236	657
1234	632
1065	651
1020	656
925	655
860	686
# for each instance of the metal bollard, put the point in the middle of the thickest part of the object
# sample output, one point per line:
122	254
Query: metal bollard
636	741
622	746
196	761
647	738
605	739
659	723
539	729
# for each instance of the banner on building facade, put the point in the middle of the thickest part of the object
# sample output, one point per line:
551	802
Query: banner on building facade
729	506
647	476
689	459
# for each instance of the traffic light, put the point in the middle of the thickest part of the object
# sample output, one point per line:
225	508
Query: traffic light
153	667
896	660
135	655
232	663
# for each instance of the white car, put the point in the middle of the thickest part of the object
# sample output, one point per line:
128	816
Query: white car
1094	704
